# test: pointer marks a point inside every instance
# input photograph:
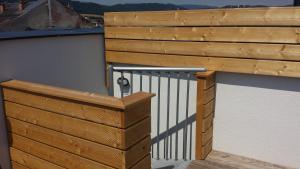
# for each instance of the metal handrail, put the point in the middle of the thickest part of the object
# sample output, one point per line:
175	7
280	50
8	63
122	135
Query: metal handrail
159	69
168	72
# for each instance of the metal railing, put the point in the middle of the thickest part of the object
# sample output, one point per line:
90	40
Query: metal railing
126	85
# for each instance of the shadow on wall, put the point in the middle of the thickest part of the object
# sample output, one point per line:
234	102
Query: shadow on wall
173	129
260	81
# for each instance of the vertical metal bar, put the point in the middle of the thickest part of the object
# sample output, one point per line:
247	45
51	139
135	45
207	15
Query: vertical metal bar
131	82
171	146
191	138
141	81
158	115
122	86
186	118
177	115
150	82
168	117
150	91
111	80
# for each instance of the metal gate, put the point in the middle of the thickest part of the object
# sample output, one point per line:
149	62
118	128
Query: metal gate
173	107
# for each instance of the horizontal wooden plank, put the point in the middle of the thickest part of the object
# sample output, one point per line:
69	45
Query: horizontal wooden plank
272	16
63	93
209	108
79	128
207	122
114	137
53	155
96	114
206	149
209	94
212	49
145	163
251	66
207	34
15	165
30	161
138	107
87	149
136	153
207	135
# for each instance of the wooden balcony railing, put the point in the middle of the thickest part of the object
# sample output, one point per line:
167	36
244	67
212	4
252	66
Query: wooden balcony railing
55	128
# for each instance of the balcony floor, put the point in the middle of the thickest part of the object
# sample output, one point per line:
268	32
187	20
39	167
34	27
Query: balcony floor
216	160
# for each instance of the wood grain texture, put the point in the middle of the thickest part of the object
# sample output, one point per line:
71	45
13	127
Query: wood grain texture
53	155
64	93
114	137
228	161
87	149
145	163
30	161
92	113
204	34
136	153
212	49
234	65
15	165
271	16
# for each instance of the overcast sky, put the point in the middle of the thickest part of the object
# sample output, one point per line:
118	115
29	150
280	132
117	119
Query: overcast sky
200	2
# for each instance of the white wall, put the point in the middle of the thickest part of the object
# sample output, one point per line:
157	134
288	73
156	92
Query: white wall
258	117
75	62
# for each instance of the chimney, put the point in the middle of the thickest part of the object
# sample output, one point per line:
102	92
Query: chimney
21	5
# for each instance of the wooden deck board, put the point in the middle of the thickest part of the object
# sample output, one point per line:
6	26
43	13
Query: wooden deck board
220	160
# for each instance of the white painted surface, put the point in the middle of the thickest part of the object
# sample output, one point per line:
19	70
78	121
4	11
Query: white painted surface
258	117
75	62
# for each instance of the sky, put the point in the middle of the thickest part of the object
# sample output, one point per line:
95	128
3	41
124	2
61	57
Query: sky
200	2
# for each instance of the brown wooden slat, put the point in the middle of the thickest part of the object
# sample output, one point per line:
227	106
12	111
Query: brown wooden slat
87	112
207	122
87	130
212	49
136	153
30	161
145	163
215	34
15	165
207	148
274	16
138	107
63	93
209	108
99	133
251	66
87	149
207	135
209	94
53	155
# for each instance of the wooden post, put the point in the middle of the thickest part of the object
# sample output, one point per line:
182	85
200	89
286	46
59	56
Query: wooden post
205	113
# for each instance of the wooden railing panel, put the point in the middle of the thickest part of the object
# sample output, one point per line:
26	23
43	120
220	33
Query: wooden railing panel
266	67
56	128
208	49
274	16
261	41
207	34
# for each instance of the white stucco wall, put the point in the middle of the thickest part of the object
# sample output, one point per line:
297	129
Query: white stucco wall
75	62
258	117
